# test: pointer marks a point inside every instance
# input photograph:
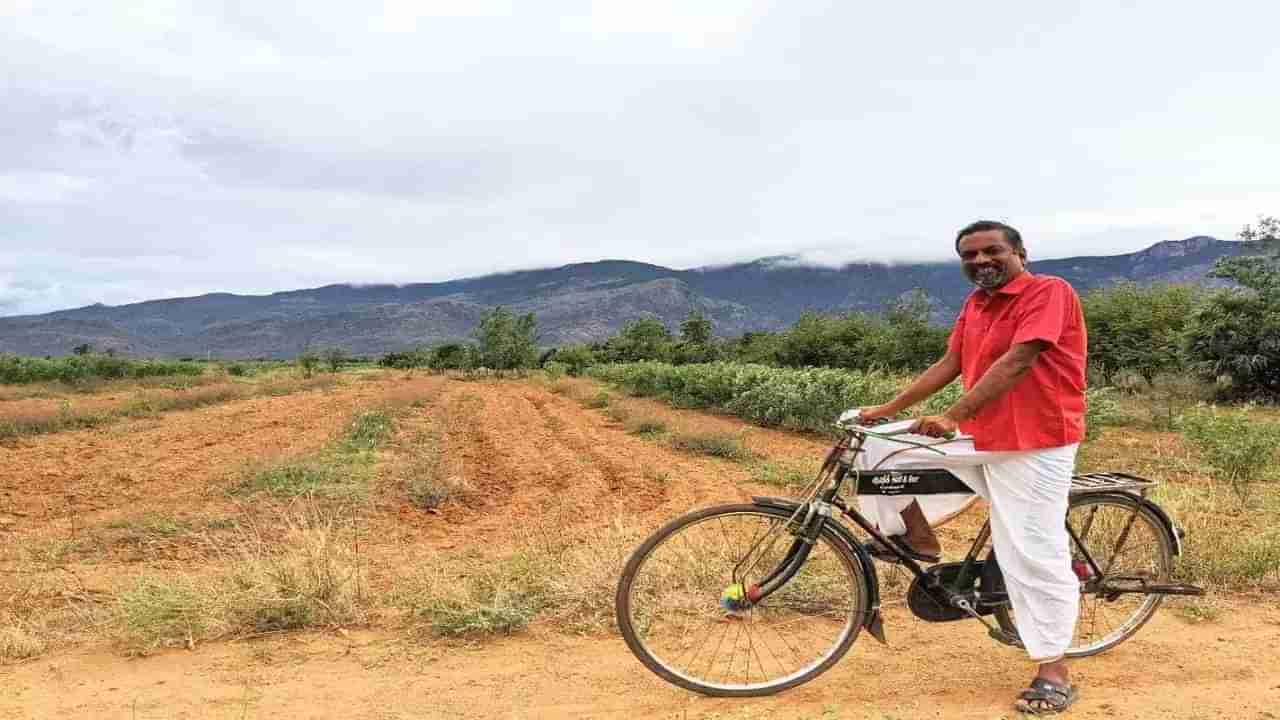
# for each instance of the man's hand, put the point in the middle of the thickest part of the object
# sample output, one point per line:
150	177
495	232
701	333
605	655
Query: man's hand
935	426
876	412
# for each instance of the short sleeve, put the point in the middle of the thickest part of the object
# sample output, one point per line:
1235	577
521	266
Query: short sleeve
1043	312
955	343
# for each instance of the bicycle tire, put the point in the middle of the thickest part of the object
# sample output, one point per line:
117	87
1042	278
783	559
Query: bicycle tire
625	608
1153	529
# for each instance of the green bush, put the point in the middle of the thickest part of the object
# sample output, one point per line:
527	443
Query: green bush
1239	446
1101	409
1137	328
574	358
16	369
809	399
1235	336
555	370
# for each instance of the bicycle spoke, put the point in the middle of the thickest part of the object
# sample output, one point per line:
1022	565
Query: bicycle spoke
676	592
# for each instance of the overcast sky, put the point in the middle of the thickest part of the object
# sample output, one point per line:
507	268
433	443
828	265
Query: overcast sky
166	148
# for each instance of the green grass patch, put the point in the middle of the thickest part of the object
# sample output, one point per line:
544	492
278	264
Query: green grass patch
617	413
328	475
150	527
598	401
368	430
785	475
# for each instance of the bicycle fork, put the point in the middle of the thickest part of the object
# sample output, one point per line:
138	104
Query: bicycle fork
805	530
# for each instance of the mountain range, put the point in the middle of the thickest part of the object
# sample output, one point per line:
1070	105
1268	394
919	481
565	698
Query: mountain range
573	303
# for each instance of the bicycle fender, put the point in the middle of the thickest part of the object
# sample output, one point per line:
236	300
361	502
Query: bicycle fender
1175	533
872	623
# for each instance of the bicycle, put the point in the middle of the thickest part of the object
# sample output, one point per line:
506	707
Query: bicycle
784	587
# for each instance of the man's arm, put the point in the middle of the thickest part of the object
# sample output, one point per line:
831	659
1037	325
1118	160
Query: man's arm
930	381
999	379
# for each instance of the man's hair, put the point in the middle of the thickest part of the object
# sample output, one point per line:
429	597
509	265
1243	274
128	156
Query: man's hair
1011	236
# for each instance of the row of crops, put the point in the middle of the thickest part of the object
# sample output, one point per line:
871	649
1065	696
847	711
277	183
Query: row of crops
796	399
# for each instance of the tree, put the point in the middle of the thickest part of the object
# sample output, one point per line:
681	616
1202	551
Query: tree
507	342
1139	328
335	358
696	328
576	358
1235	334
643	339
907	341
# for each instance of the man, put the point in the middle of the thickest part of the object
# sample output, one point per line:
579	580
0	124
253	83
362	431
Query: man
1019	345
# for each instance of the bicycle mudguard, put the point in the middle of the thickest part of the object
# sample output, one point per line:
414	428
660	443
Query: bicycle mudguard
1175	533
872	622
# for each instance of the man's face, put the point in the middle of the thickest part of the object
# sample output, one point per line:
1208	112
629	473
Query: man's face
988	260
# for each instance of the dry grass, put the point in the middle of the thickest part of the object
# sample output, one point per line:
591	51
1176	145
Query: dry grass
304	575
714	444
563	578
18	643
598	401
1229	546
65	418
647	426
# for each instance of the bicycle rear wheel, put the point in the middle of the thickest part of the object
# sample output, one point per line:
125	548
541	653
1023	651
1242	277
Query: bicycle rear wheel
669	608
1125	539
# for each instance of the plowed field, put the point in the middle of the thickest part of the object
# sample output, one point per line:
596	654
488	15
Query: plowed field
527	456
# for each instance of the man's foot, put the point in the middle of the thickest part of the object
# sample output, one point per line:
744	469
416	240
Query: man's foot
1046	697
920	536
884	554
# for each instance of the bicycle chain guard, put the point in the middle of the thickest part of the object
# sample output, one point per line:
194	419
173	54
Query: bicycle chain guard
931	603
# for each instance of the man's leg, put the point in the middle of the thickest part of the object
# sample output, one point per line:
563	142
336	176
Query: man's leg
1029	495
910	516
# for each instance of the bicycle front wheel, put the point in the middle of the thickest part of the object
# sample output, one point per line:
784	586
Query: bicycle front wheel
1126	540
670	611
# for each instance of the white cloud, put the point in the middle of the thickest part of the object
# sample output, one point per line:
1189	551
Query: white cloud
222	146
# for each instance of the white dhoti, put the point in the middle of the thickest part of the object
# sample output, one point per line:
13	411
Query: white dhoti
1028	494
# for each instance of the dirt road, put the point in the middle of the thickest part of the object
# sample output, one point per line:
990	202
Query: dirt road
1170	670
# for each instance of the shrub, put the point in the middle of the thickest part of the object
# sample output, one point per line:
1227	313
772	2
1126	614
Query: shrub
1101	409
721	445
647	427
575	359
1137	327
555	370
1240	447
599	400
1235	335
307	362
16	369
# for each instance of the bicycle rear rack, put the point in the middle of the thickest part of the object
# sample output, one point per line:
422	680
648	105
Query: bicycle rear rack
1109	482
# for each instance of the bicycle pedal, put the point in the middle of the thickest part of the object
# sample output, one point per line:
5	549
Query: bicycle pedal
1004	638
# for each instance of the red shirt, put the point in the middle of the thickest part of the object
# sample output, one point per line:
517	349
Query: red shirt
1045	408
